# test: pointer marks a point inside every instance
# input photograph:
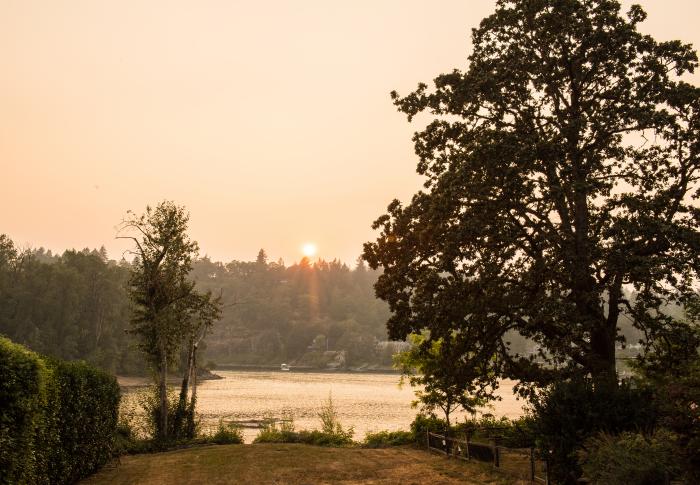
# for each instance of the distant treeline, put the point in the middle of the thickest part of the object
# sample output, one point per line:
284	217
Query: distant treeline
75	306
275	313
72	306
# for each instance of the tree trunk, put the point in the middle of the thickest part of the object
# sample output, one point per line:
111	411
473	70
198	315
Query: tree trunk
185	387
603	367
163	394
604	336
194	372
193	400
182	405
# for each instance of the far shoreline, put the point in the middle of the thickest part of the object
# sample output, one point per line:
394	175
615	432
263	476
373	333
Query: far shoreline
131	381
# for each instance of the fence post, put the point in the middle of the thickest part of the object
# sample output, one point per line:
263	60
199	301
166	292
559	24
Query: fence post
427	438
532	464
546	472
495	453
467	445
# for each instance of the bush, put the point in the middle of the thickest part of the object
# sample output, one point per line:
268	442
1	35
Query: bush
568	413
58	419
384	439
517	433
228	434
330	424
424	423
272	433
331	433
321	438
83	408
178	419
679	402
630	458
22	401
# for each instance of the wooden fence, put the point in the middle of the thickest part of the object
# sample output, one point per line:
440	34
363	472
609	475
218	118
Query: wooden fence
518	462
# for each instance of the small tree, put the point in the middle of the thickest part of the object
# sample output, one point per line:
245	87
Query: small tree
444	383
166	307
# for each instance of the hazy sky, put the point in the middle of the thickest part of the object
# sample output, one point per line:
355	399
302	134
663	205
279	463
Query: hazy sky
270	120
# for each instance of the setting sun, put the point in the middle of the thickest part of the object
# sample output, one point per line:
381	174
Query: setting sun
309	249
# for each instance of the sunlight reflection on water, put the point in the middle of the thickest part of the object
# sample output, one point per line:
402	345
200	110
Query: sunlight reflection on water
368	402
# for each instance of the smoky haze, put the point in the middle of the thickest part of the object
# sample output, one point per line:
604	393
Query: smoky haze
270	121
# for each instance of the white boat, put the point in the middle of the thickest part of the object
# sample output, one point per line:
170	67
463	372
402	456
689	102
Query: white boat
284	367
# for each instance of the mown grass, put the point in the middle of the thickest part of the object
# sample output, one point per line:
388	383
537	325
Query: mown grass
294	464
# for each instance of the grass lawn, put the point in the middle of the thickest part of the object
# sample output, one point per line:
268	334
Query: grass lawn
294	464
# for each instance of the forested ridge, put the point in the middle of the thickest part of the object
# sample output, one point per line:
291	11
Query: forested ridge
75	306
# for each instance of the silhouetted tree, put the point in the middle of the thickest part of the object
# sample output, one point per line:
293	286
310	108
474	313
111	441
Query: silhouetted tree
561	166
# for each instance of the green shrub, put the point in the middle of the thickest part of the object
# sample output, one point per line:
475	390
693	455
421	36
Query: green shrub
321	438
22	401
630	458
679	402
568	413
331	433
331	426
513	433
424	423
272	432
83	404
383	439
228	434
58	419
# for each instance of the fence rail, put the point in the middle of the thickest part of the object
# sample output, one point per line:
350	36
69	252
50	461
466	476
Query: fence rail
519	462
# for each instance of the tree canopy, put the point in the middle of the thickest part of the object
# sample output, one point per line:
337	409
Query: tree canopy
561	169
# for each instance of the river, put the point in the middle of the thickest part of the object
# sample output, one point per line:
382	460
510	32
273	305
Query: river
368	402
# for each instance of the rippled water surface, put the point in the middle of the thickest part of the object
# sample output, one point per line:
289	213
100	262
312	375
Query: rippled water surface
369	402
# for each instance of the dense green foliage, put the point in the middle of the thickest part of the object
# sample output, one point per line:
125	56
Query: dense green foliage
75	306
332	432
227	434
424	423
384	439
23	396
285	433
672	369
72	306
57	419
308	437
83	403
541	204
631	458
513	433
275	313
568	413
428	365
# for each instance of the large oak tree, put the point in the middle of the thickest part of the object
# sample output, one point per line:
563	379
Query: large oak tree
561	173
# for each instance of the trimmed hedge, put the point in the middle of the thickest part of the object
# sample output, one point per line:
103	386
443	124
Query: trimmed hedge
57	419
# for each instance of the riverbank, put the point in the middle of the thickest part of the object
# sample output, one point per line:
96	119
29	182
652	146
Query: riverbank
363	369
126	382
295	464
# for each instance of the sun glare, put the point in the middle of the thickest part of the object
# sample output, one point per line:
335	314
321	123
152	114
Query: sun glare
309	250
